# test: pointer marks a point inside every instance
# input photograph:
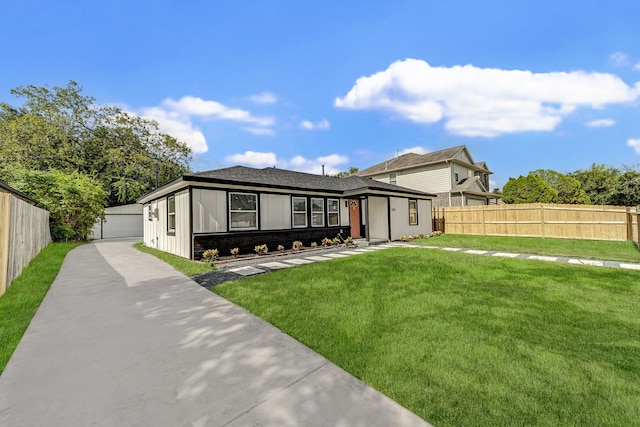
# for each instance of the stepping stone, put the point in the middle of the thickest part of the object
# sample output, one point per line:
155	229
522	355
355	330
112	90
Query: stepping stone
506	254
475	252
586	262
275	265
317	258
543	258
297	261
630	266
451	249
246	270
347	253
338	255
360	251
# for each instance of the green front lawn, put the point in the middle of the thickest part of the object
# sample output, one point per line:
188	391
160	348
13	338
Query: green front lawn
468	340
591	249
22	299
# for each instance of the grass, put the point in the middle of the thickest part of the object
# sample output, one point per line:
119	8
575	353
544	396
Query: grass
468	340
590	249
22	299
183	265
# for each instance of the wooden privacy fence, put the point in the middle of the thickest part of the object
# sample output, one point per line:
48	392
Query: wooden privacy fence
541	220
24	231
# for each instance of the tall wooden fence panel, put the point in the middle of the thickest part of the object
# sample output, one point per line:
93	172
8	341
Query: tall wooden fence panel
544	220
23	234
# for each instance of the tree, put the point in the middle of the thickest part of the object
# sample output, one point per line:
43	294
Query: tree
74	200
597	182
62	129
528	189
626	191
352	171
568	188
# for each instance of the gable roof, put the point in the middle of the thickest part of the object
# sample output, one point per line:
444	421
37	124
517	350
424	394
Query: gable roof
283	179
411	160
473	185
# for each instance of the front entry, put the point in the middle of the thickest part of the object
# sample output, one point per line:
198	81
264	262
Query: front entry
354	218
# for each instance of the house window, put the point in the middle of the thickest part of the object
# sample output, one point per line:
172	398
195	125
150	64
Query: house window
171	213
455	177
333	209
317	212
243	211
413	212
393	179
299	206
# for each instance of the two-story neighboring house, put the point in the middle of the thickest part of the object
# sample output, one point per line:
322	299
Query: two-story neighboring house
451	174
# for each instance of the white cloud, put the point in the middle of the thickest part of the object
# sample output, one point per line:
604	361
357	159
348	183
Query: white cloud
298	163
264	98
416	150
176	119
191	105
635	144
177	126
321	125
600	123
485	102
260	131
252	158
619	58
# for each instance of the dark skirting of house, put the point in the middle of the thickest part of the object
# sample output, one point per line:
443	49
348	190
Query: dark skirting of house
247	241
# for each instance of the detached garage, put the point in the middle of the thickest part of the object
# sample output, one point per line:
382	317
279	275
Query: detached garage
120	221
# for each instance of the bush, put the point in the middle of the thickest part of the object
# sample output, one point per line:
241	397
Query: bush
210	256
235	251
297	245
261	249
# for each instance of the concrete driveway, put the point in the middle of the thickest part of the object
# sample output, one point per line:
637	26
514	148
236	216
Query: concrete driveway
123	339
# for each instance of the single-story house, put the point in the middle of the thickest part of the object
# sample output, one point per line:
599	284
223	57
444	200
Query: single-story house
244	207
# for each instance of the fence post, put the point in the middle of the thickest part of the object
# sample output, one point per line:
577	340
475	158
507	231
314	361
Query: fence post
5	223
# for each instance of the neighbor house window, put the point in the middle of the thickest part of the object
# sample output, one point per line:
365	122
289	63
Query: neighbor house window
299	206
413	212
171	213
393	179
317	212
243	211
333	209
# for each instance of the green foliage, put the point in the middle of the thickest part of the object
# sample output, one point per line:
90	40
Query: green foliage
568	188
210	256
74	200
61	128
352	171
528	189
597	182
261	249
297	245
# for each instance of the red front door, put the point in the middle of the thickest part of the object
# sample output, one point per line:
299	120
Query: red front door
354	217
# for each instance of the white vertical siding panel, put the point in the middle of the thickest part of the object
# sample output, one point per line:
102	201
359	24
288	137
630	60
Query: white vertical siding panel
344	212
209	211
275	212
378	218
400	218
182	237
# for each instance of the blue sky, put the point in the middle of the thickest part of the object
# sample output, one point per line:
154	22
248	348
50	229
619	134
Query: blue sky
525	85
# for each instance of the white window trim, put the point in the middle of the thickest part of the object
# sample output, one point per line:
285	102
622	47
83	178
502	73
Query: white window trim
318	212
336	213
293	212
171	214
416	202
244	211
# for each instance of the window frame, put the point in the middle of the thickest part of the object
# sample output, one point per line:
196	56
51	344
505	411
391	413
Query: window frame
232	211
171	216
298	212
336	213
314	213
415	202
393	178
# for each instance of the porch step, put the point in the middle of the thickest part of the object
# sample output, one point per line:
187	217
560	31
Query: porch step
362	243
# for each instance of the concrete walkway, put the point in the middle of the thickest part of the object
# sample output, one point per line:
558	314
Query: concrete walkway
122	339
